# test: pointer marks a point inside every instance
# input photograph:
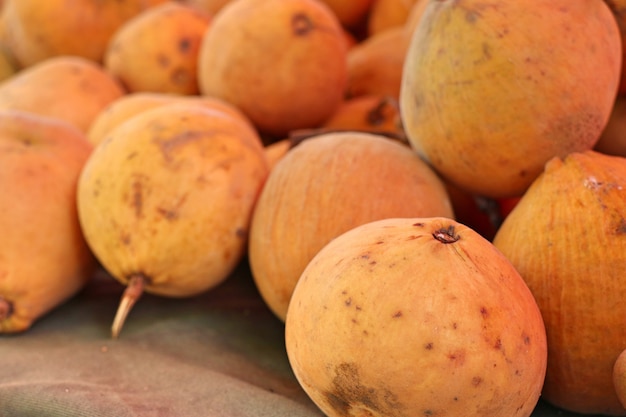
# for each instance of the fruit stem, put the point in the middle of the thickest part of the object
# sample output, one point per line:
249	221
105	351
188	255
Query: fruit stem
6	308
446	235
131	294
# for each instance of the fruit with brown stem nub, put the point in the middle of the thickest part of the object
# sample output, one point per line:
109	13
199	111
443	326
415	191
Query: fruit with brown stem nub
415	317
282	62
492	91
324	186
165	201
44	259
157	50
567	237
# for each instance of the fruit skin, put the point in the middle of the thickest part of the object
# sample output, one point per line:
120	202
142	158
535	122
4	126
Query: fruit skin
491	92
323	187
131	104
619	10
157	50
169	196
37	30
415	317
374	113
613	138
566	237
619	377
44	258
375	65
282	62
69	88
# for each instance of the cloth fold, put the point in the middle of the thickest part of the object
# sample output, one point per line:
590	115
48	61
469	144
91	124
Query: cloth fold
219	354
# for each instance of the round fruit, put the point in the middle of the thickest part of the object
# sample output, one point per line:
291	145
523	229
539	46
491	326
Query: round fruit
492	91
415	317
325	186
567	237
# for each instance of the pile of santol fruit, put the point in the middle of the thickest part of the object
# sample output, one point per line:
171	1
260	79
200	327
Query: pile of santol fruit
430	194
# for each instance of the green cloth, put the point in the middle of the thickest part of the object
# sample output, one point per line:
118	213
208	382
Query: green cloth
220	354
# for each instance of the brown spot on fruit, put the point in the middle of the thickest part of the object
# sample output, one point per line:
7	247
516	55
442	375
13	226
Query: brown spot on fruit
429	346
6	309
397	314
457	357
137	197
484	312
184	45
301	24
476	381
349	396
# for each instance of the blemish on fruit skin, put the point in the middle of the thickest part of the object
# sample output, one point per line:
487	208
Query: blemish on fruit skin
301	24
429	346
170	145
457	357
6	309
476	381
184	45
168	214
349	396
397	314
484	312
137	197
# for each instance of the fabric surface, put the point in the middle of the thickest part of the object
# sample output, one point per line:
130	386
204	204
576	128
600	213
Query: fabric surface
221	354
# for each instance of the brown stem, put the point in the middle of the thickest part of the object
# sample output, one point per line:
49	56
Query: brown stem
446	235
131	294
6	309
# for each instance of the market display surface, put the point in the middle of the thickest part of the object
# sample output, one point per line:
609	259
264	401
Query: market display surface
364	208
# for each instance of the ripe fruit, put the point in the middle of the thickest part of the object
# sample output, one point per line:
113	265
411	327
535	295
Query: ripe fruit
69	88
323	187
375	65
567	238
44	259
36	30
368	113
165	201
491	91
282	62
415	317
157	50
131	104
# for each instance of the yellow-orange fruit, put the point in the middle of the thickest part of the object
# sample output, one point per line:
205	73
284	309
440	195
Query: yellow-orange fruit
157	50
375	64
131	104
69	88
385	14
44	259
282	62
567	238
36	30
324	186
491	92
415	317
368	113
